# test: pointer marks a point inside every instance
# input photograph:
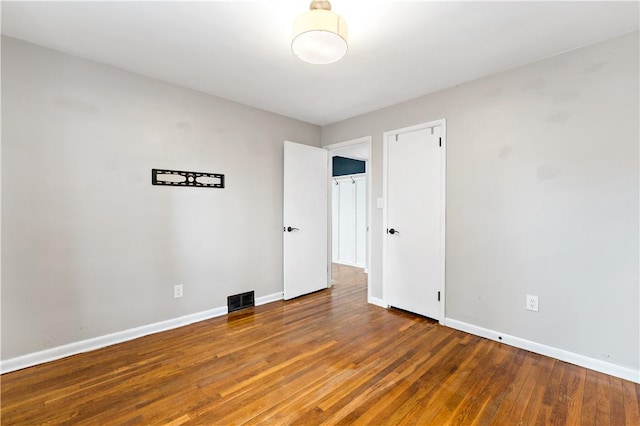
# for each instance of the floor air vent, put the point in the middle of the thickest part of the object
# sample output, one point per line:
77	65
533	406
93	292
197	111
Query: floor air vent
240	301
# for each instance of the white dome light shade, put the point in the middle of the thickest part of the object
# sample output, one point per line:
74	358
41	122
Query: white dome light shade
319	37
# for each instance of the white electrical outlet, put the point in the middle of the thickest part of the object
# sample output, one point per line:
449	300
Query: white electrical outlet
177	291
532	303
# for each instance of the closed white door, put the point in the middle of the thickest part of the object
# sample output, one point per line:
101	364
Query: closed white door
361	221
414	220
349	226
347	222
305	219
335	220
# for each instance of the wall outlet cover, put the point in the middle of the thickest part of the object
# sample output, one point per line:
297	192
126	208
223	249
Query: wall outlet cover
178	291
532	303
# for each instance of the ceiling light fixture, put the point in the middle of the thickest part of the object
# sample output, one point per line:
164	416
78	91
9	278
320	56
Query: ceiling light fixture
319	35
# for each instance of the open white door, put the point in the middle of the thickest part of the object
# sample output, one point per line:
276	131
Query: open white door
305	219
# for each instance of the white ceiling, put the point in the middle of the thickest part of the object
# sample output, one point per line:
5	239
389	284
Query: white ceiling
241	50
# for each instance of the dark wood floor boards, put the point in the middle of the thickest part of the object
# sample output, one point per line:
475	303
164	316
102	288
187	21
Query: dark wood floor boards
433	379
496	390
576	378
603	400
589	399
558	397
631	399
397	401
326	358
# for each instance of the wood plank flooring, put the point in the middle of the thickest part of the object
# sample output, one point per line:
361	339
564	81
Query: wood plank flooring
326	358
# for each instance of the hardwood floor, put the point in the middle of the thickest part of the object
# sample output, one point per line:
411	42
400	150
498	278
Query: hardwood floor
326	358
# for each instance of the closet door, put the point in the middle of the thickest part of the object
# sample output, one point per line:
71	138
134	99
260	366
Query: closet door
361	221
347	222
335	221
349	225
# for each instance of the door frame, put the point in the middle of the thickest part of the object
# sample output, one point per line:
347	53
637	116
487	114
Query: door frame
443	176
340	145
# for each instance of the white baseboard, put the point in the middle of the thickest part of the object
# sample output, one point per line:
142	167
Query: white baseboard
377	302
263	300
87	345
550	351
343	262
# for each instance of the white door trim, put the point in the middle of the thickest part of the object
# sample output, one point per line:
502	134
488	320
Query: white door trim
443	161
351	142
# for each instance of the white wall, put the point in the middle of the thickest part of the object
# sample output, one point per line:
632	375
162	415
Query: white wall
542	198
89	246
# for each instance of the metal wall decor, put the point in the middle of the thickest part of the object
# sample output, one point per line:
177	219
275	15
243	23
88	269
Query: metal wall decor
180	178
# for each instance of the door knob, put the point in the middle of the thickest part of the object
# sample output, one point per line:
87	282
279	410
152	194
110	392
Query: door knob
392	231
290	229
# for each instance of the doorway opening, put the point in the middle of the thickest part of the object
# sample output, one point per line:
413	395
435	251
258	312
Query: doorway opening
349	212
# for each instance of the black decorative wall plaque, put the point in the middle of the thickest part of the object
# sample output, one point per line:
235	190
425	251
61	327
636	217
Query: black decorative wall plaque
180	178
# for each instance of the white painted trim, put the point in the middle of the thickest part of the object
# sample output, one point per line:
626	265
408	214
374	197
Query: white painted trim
347	178
377	302
344	262
550	351
385	156
94	343
368	267
369	141
443	220
87	345
442	123
263	300
350	142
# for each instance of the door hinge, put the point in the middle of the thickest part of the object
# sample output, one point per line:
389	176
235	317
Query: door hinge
438	296
440	142
396	138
